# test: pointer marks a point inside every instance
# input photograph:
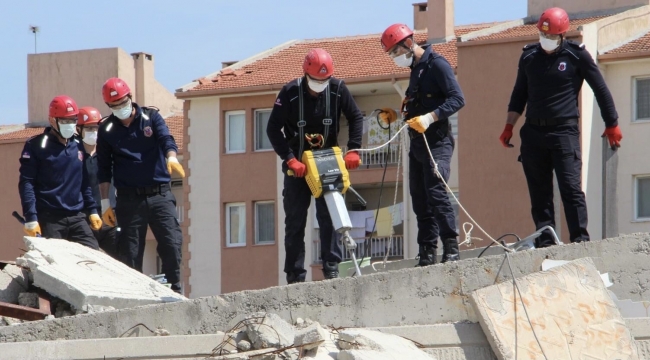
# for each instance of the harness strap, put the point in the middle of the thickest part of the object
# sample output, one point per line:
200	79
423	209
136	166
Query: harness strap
301	123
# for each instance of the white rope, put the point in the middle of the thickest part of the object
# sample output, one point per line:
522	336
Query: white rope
435	169
468	235
383	145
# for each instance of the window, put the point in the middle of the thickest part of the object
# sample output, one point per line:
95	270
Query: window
642	99
262	141
235	224
235	132
454	125
454	205
642	197
265	222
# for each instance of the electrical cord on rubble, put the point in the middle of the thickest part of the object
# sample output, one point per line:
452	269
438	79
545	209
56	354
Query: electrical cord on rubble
523	305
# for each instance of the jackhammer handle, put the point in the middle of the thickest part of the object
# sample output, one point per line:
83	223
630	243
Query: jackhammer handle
18	217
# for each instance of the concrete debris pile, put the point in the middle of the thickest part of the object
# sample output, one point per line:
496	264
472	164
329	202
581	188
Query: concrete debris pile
62	278
267	336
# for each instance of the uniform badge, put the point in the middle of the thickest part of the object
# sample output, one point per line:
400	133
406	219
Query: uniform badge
147	131
26	155
562	66
80	155
278	102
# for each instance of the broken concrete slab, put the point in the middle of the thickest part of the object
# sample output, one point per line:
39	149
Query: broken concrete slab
13	281
567	313
362	344
434	295
82	276
267	330
311	337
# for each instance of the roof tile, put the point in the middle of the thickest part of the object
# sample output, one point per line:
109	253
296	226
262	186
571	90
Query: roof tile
354	57
640	44
531	29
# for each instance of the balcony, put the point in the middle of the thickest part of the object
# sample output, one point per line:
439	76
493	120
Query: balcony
377	158
378	247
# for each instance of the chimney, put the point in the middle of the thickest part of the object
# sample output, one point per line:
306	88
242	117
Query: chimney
420	16
144	78
440	21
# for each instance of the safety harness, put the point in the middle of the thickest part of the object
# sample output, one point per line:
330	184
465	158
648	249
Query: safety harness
327	120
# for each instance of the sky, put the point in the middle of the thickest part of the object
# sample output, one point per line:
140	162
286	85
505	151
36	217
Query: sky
190	38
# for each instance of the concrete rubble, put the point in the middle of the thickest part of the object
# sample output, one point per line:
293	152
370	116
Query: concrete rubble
564	312
425	313
89	279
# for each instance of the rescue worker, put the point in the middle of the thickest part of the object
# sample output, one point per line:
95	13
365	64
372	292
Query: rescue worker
87	126
54	190
549	78
433	95
308	111
135	149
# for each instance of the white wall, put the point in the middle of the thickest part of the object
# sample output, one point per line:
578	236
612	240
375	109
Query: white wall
633	156
204	197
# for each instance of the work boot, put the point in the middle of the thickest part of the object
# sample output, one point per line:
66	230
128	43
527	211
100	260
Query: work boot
450	250
177	288
293	278
427	255
330	270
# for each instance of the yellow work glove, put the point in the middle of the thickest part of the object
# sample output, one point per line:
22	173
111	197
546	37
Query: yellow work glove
107	213
95	222
421	123
32	228
174	165
387	115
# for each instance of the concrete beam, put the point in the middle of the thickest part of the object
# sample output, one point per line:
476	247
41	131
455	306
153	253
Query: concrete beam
430	295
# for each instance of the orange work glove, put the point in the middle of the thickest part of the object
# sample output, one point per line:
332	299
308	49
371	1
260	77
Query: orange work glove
506	135
352	160
614	136
299	169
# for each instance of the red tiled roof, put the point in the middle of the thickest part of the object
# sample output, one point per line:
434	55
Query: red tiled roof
354	57
22	134
531	29
175	124
638	45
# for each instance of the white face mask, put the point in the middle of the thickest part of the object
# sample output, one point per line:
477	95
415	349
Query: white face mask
67	130
548	44
404	60
317	86
124	112
90	137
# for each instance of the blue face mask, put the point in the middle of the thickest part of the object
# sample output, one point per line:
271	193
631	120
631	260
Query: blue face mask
124	112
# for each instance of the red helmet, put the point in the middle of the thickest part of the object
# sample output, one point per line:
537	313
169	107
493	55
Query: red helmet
115	89
393	35
88	116
63	106
553	21
318	62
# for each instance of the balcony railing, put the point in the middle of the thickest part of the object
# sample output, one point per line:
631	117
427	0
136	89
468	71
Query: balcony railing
378	157
372	246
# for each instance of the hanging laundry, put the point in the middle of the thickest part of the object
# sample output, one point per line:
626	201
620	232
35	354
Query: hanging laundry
384	223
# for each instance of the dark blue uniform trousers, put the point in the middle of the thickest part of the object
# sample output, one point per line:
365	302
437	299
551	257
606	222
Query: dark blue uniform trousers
548	148
296	201
71	227
431	203
158	211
